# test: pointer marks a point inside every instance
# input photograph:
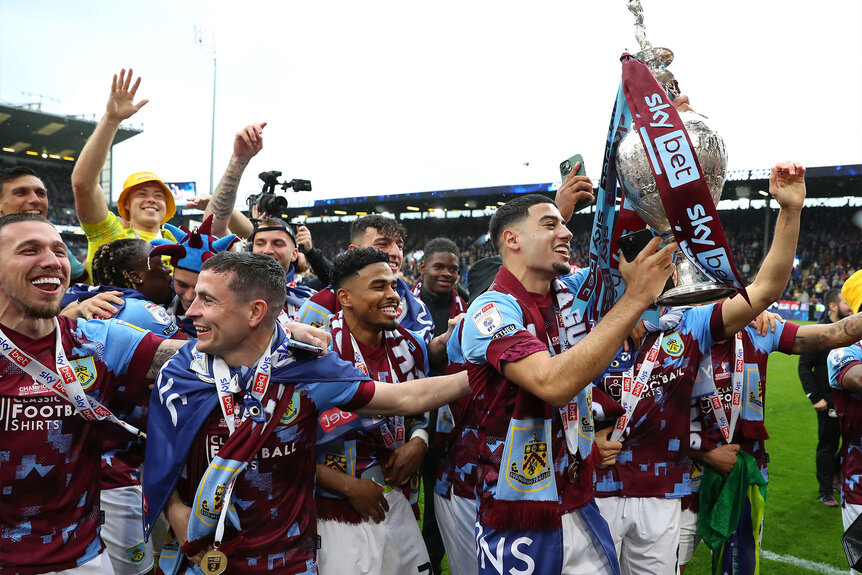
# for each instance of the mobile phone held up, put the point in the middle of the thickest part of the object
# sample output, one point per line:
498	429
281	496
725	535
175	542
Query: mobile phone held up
566	167
632	244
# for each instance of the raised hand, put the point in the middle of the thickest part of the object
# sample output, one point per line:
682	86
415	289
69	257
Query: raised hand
248	142
787	185
121	103
574	189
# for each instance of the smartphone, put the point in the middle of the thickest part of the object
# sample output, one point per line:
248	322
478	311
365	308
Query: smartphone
305	348
566	167
632	244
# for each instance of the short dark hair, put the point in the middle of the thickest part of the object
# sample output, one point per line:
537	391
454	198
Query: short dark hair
352	262
512	212
252	276
22	217
441	245
14	173
832	296
113	262
384	226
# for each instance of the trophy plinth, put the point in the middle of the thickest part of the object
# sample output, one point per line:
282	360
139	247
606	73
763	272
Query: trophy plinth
692	287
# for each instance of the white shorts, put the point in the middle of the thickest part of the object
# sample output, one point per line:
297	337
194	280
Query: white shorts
101	565
849	513
393	547
456	518
123	531
582	553
645	532
689	538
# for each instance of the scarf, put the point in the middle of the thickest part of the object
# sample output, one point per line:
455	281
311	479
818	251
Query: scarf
296	294
186	324
456	304
528	455
184	396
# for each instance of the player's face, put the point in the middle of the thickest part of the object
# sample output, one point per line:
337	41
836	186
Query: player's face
389	244
276	244
184	286
146	205
843	309
34	269
545	240
372	296
26	194
218	315
439	272
156	278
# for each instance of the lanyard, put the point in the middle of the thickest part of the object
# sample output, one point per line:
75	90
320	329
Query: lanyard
397	420
718	411
64	384
633	390
572	427
253	407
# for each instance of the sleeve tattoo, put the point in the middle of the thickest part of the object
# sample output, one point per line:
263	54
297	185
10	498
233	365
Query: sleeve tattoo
164	352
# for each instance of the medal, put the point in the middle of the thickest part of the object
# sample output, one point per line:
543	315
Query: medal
574	470
214	562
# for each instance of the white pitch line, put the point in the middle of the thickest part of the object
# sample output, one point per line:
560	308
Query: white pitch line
804	563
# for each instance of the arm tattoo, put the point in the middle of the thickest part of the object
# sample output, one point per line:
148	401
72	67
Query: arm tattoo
823	337
164	352
224	196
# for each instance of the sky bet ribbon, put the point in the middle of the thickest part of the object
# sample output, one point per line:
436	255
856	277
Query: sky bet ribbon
678	176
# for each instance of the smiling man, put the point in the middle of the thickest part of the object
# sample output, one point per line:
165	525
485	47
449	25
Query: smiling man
23	192
145	202
50	468
531	358
237	407
366	478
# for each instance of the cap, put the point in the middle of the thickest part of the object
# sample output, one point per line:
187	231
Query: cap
852	291
141	178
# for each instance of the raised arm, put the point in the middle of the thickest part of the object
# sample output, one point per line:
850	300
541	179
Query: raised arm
787	186
557	379
90	202
246	144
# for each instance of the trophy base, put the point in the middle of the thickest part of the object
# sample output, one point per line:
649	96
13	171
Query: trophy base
696	293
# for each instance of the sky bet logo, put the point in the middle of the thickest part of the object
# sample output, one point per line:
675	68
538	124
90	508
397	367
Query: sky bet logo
674	153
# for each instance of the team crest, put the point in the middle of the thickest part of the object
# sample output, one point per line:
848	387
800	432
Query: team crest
137	553
672	345
292	410
85	371
534	463
337	461
487	319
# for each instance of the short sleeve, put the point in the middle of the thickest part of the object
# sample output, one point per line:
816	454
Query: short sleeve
493	327
839	361
119	338
697	322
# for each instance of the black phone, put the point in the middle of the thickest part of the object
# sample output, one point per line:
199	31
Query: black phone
304	348
566	167
632	244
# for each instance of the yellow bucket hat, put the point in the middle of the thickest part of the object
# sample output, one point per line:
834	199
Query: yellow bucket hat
138	179
852	291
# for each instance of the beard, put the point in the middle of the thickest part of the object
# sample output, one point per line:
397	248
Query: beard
44	311
561	269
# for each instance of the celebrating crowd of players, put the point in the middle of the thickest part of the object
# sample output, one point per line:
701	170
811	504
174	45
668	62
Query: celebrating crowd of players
191	406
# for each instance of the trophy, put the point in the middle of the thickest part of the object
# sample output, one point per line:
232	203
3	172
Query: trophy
639	187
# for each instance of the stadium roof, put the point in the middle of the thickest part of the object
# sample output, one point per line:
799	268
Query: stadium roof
821	182
35	133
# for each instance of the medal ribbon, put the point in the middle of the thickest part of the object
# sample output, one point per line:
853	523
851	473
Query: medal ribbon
633	390
718	411
64	384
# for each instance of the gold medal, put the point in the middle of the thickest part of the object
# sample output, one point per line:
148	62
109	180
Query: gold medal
214	562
